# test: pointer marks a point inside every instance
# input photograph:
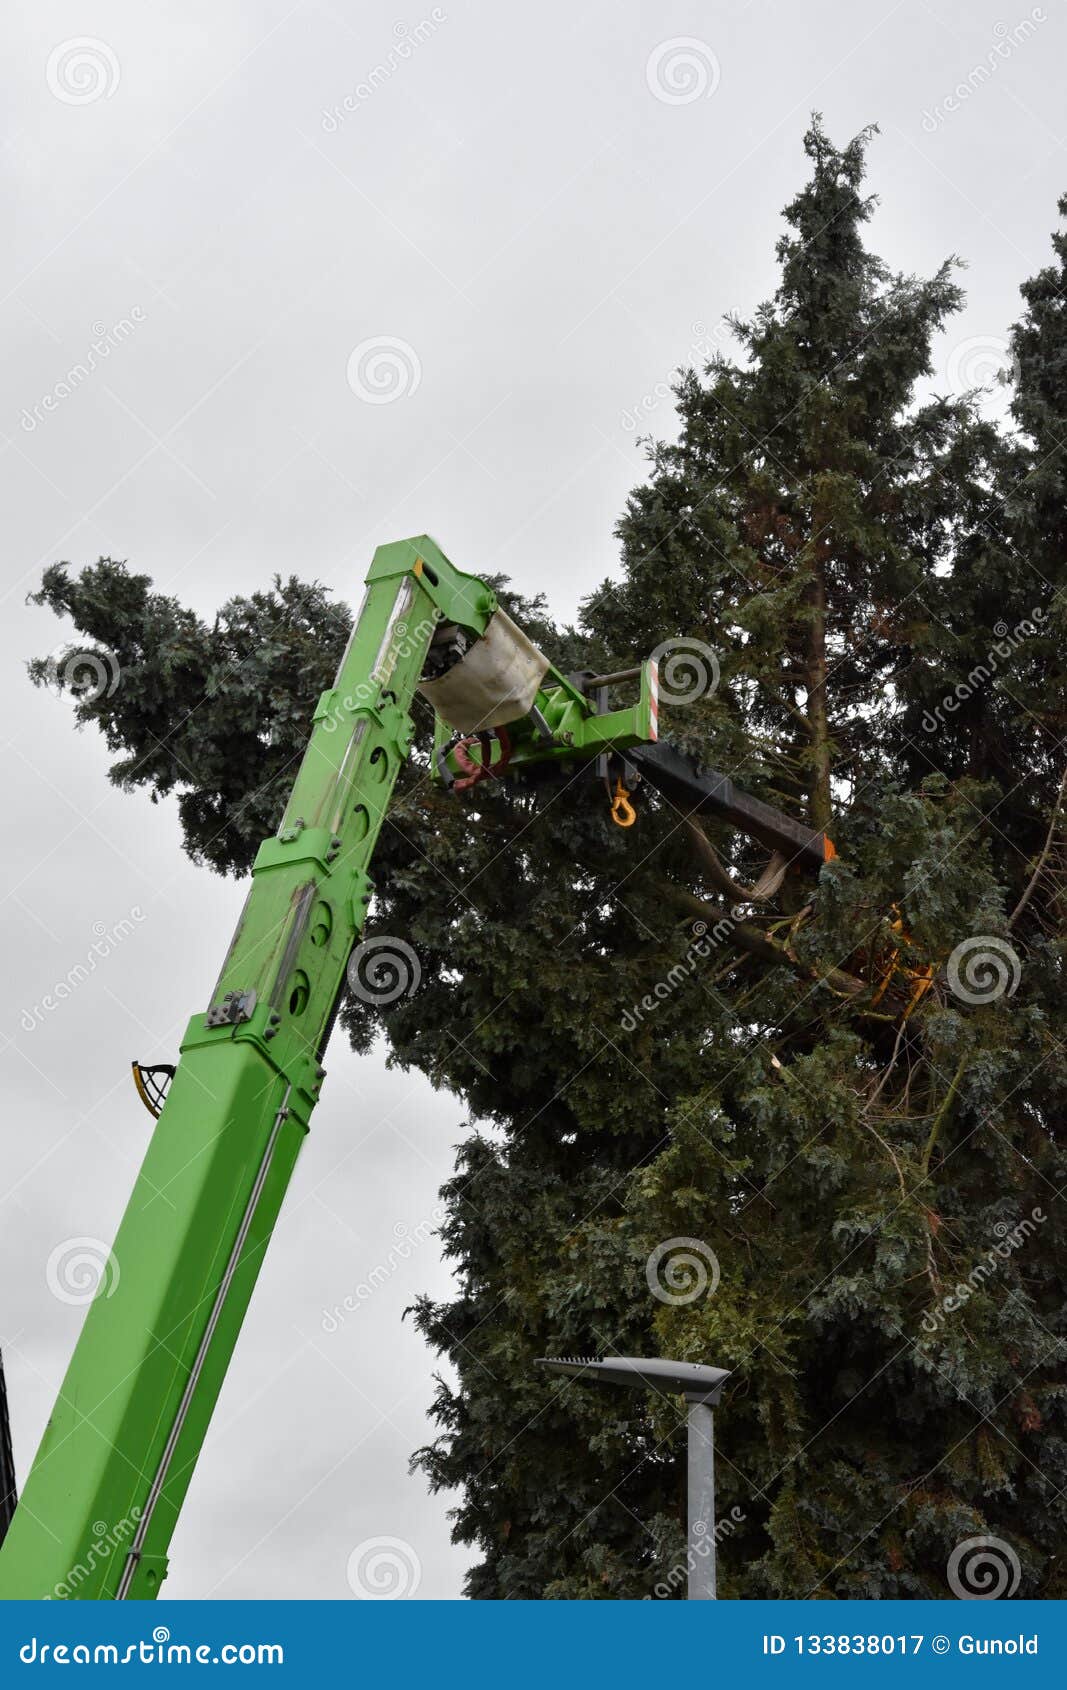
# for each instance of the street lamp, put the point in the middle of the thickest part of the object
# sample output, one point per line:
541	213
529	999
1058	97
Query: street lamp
702	1387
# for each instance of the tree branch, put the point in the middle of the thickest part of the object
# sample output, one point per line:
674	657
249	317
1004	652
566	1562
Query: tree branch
1043	858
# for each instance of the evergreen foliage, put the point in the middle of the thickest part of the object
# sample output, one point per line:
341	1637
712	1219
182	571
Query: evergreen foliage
878	1172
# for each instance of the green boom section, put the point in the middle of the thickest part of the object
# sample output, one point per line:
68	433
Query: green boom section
100	1503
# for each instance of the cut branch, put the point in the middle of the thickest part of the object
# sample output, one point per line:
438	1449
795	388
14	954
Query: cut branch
758	893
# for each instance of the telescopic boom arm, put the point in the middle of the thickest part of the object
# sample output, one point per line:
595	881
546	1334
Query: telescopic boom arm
119	1450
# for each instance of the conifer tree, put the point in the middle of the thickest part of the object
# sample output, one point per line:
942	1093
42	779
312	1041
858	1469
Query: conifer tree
816	1141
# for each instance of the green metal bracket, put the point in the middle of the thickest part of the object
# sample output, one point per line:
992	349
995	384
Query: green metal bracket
577	730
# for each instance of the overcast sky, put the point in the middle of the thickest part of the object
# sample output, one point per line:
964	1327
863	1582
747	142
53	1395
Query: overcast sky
533	215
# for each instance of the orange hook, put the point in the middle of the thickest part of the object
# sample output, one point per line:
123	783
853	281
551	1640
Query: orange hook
623	813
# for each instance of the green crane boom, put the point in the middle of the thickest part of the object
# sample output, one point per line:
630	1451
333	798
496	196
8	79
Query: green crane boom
102	1498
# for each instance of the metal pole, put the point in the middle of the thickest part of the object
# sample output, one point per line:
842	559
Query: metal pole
616	675
701	1503
8	1493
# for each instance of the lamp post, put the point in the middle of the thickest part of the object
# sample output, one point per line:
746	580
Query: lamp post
702	1387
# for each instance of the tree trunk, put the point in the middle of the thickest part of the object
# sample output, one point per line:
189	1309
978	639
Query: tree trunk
820	798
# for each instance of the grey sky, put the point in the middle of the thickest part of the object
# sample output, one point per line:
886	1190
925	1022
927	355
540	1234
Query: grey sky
231	199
